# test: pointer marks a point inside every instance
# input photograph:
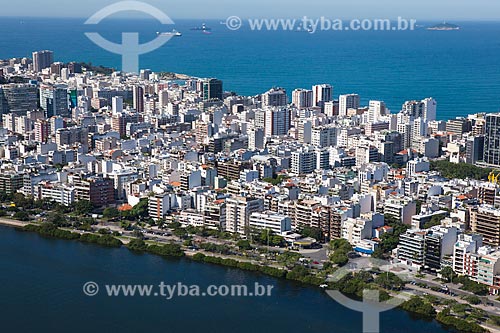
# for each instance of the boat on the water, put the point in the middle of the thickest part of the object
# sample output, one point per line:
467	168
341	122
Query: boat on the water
174	33
444	27
202	28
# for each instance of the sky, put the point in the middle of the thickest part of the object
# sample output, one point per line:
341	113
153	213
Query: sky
219	9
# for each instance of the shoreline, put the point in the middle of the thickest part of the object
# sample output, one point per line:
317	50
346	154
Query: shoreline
13	223
211	258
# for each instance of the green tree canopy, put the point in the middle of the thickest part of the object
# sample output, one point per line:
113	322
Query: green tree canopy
83	207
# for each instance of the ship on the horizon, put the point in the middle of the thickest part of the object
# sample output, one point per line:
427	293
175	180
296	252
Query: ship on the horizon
174	33
444	27
202	28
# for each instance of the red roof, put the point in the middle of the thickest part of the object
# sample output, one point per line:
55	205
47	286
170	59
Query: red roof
125	207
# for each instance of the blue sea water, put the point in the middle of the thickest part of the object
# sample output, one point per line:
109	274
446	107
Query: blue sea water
458	68
41	291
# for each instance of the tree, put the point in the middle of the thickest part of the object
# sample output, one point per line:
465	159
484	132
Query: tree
57	219
472	299
244	245
460	170
341	244
275	181
447	274
472	286
378	253
390	281
22	216
180	232
83	207
138	234
339	257
389	241
137	245
435	220
141	209
315	233
110	213
288	258
174	225
418	305
340	247
419	205
168	250
268	237
459	324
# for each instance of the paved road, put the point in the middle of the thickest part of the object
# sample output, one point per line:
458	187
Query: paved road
490	309
456	289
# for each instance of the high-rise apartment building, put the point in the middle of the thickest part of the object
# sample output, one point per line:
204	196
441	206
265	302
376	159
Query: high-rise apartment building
349	101
425	109
376	110
18	98
322	93
238	211
138	99
303	161
485	220
54	100
42	130
277	121
69	136
492	139
324	136
474	149
212	89
98	190
275	97
42	60
302	98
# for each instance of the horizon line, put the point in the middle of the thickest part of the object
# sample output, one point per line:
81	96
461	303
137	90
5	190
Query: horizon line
139	18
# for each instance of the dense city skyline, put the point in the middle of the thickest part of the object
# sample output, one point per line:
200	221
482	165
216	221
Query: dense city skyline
390	194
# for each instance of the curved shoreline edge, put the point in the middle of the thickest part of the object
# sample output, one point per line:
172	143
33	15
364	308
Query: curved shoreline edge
220	261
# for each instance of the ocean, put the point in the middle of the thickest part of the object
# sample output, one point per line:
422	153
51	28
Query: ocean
458	68
41	291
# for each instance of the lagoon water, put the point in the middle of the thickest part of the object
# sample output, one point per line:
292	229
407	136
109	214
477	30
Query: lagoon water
41	291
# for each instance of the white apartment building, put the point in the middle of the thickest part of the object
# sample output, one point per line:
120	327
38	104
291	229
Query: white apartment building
376	110
238	211
277	121
58	193
488	268
322	93
324	136
303	161
302	98
277	223
402	208
158	206
349	101
466	244
411	248
417	165
191	218
355	230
